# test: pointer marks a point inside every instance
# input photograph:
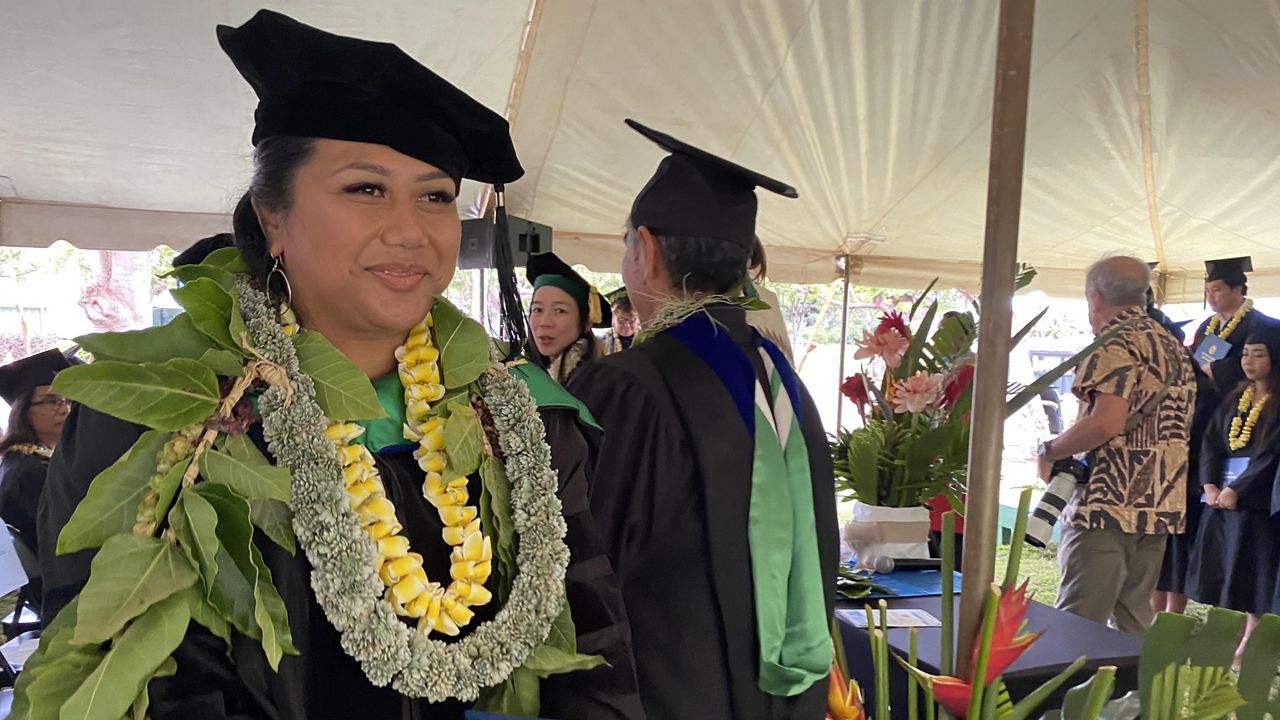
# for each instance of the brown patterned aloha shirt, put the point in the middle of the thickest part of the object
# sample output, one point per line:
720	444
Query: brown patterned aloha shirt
1138	480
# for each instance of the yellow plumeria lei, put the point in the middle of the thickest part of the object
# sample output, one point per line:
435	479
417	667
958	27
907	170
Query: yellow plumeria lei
409	591
1232	323
32	449
1242	425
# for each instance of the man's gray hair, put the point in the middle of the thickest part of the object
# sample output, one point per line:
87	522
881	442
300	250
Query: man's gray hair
1119	280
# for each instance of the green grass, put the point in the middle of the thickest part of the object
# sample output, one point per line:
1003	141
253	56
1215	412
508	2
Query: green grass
1039	567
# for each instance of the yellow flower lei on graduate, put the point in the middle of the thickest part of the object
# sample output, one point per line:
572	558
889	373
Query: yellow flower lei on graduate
1232	323
1246	418
32	449
409	591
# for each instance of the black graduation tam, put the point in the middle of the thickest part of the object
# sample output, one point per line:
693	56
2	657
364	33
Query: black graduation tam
617	296
1266	333
1229	270
22	376
316	84
697	194
548	269
202	248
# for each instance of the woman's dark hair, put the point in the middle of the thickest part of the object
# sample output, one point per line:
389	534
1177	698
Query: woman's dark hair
20	429
759	262
623	304
275	165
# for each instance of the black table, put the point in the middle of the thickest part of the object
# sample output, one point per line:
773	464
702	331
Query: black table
1066	638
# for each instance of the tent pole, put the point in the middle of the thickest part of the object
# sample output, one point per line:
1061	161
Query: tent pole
999	266
844	343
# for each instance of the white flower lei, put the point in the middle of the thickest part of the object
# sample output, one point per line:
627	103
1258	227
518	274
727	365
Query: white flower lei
342	555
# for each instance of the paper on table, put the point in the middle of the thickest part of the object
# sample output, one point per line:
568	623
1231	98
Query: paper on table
896	618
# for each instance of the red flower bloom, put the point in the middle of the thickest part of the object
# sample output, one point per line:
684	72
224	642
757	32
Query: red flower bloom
956	385
1006	647
854	387
893	320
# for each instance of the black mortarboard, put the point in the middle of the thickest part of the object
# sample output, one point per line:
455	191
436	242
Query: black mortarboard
696	194
1229	270
196	254
22	376
1266	332
548	269
617	296
316	84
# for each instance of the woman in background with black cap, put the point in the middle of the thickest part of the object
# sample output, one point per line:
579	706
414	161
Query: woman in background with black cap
564	309
36	416
410	595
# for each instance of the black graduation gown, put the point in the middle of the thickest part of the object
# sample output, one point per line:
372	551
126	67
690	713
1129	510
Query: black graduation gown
323	681
21	480
1235	560
671	490
1177	554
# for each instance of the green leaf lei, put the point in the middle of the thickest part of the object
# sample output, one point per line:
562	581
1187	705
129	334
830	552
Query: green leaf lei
175	515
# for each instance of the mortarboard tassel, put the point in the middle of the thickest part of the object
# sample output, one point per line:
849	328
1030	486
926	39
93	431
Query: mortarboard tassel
594	313
512	326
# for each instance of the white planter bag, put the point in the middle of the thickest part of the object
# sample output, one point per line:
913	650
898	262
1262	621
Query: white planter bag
878	531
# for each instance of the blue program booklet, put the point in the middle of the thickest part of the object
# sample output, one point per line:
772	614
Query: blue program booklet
1234	468
1213	348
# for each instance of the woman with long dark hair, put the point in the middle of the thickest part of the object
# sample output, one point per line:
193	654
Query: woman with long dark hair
1234	562
564	310
36	416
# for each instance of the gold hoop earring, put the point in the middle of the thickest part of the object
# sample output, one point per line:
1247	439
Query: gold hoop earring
278	269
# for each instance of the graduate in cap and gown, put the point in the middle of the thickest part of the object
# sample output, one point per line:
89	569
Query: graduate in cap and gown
564	309
713	487
625	322
403	594
1237	554
1217	344
36	416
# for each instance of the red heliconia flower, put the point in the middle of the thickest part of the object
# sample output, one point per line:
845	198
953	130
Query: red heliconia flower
956	385
1006	647
854	387
1006	644
893	320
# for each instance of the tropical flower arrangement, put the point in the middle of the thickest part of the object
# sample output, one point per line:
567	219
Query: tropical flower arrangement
175	517
914	441
1184	670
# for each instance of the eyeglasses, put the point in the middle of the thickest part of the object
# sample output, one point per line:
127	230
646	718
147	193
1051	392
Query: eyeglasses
52	400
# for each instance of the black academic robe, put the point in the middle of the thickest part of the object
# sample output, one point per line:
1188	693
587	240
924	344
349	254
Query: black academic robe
1178	552
670	490
1237	554
323	681
21	480
1226	372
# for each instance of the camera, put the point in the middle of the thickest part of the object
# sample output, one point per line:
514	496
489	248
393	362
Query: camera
1067	475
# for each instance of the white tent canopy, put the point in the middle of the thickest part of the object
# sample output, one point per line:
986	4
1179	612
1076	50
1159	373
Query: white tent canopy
1154	132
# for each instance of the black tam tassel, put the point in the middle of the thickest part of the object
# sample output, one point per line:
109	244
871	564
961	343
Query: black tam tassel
513	327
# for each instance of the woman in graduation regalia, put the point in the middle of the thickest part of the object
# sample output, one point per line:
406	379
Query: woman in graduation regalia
1235	559
36	415
565	308
362	506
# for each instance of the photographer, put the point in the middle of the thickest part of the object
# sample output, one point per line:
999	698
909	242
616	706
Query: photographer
1116	525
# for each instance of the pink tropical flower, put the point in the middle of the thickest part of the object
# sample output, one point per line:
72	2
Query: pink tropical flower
886	343
917	392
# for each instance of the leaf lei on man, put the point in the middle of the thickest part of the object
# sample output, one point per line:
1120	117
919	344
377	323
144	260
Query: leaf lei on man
175	515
